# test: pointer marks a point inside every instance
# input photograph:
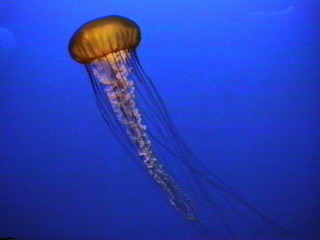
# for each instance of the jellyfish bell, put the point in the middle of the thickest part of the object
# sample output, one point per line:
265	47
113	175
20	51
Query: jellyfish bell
138	118
99	38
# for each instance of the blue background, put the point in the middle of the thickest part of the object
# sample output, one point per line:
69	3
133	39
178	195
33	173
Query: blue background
240	78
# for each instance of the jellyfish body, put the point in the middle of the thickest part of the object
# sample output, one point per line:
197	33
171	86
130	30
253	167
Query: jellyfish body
128	99
110	63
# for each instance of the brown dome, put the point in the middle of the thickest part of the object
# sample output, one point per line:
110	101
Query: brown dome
102	36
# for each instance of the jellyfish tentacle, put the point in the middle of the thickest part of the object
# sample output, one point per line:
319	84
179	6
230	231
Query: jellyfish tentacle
120	90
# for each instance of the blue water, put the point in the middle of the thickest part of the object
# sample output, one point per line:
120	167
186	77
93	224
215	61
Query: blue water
240	78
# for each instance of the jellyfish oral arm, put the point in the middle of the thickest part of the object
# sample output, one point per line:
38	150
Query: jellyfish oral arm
113	73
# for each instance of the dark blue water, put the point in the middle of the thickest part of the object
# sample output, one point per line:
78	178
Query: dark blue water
240	78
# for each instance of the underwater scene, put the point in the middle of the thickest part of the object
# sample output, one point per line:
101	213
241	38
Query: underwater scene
159	120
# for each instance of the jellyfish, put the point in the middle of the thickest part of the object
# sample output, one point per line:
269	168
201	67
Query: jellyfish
138	118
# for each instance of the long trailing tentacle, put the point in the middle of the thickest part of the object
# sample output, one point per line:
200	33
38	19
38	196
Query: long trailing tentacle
130	102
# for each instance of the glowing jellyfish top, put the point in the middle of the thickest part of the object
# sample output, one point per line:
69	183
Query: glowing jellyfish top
100	37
